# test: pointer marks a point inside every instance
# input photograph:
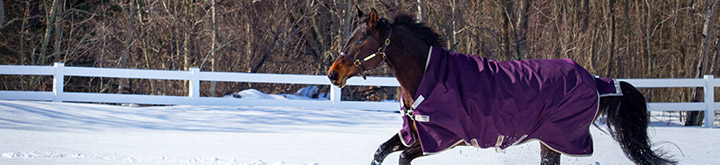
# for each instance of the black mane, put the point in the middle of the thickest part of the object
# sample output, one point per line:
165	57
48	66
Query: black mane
426	33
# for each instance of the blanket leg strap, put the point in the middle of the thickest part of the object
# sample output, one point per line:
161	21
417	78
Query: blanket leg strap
411	114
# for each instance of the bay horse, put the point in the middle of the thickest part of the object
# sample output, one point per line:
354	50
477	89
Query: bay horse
450	99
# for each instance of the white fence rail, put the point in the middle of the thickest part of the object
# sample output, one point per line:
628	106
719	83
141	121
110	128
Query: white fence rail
59	71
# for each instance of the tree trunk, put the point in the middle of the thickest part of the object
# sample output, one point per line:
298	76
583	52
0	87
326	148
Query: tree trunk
507	26
186	57
129	37
48	29
695	118
348	19
212	45
58	31
648	47
612	40
628	48
586	15
452	32
22	33
145	48
248	45
419	16
2	12
186	51
520	30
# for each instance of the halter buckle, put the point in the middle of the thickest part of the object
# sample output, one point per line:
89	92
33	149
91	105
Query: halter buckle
382	54
357	63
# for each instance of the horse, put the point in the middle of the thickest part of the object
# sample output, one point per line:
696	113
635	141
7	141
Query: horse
512	102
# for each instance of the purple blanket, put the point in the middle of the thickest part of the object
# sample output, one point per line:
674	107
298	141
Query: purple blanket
486	103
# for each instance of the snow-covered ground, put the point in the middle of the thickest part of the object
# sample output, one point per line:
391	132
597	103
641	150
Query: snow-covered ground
73	133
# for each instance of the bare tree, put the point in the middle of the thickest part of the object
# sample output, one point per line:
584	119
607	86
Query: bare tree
420	6
695	118
129	40
672	39
212	42
507	13
520	30
648	47
628	40
2	12
22	32
48	29
611	56
348	18
58	30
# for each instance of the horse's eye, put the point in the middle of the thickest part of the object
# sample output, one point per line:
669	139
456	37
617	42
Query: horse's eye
359	42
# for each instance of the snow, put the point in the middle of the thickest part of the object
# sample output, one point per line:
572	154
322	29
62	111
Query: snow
305	93
73	133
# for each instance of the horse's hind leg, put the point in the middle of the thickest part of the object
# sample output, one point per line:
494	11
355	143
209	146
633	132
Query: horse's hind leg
409	154
548	156
391	145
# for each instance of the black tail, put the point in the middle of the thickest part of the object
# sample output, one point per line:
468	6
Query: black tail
628	122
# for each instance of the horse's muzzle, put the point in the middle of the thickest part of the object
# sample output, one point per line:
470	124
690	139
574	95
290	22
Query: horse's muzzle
333	76
336	80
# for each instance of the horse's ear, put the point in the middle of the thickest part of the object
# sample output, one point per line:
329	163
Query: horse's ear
372	21
360	13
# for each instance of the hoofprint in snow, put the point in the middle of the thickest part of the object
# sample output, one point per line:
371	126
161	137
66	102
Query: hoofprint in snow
74	133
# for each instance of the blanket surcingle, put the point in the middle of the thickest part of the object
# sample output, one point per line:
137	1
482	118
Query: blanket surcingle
486	103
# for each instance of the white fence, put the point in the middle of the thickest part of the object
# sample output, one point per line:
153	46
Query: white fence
59	71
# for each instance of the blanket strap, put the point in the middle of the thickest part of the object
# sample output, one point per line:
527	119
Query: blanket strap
409	111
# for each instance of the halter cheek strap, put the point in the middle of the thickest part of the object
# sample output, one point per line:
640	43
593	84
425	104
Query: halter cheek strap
380	52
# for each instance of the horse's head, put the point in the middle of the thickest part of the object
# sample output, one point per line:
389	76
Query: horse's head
364	49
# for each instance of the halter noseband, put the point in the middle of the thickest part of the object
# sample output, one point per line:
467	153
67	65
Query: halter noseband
381	51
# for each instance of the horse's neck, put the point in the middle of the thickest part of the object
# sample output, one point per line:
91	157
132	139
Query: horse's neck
407	62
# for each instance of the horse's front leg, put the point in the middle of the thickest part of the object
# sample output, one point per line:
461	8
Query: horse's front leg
409	154
391	145
548	156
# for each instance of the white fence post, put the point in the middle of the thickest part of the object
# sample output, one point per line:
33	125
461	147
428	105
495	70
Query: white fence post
335	96
194	92
709	101
58	82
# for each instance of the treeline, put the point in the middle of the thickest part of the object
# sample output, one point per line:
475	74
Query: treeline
623	39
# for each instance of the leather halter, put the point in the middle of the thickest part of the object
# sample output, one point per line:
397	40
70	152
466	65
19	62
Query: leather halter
380	52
